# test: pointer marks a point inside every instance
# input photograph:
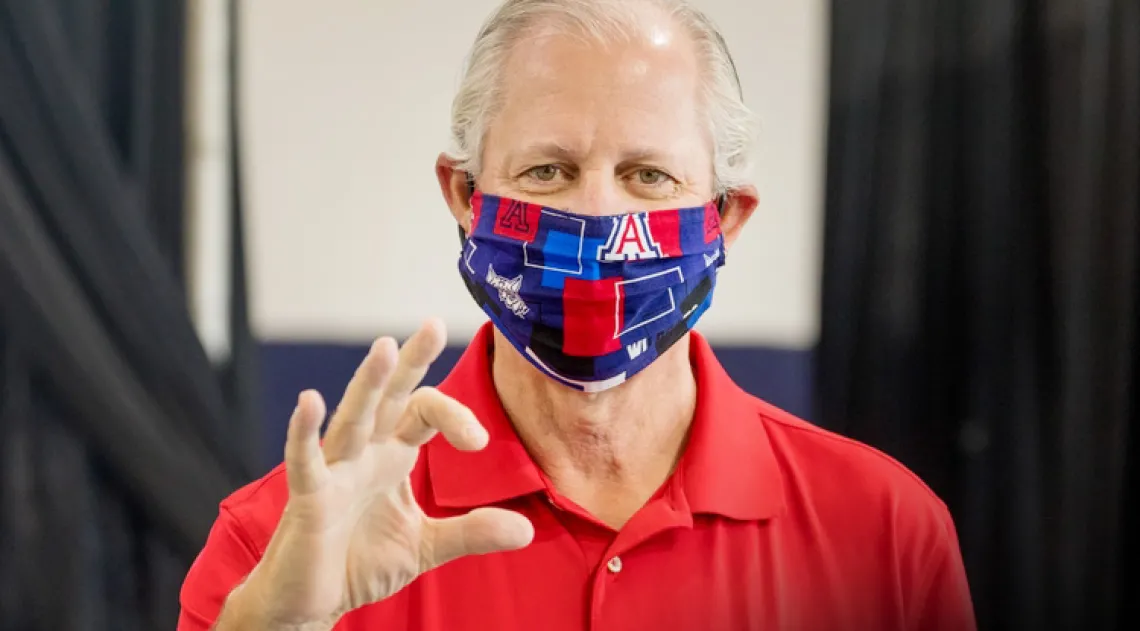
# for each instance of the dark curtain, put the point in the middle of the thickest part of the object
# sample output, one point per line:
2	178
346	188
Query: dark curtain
118	435
980	287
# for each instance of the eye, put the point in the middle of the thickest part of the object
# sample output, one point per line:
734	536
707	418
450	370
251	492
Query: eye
651	177
544	173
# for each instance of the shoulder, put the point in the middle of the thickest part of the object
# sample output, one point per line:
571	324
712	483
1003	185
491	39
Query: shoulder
873	520
255	508
236	542
841	479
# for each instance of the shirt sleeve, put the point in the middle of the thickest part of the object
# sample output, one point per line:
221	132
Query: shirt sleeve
227	558
944	603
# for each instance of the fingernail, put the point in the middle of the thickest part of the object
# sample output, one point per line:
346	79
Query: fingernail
477	434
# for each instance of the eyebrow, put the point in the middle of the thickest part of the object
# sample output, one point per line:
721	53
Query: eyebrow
547	149
646	154
558	151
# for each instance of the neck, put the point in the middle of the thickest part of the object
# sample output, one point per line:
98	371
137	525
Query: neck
608	451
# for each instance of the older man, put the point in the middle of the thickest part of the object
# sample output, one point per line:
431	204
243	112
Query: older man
597	468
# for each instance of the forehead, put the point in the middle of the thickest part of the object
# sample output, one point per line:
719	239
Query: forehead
581	93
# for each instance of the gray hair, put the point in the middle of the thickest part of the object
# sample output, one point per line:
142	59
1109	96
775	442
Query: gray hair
731	123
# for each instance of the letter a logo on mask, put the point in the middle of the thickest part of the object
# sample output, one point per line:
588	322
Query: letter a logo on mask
518	220
515	218
629	240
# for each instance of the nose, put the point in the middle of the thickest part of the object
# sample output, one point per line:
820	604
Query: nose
598	194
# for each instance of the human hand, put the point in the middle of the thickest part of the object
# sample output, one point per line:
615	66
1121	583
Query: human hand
352	533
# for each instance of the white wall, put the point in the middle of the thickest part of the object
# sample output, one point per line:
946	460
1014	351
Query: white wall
345	108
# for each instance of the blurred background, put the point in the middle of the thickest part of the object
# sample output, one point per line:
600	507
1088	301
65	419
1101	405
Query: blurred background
209	205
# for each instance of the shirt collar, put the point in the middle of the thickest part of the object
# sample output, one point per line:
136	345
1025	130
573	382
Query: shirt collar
728	467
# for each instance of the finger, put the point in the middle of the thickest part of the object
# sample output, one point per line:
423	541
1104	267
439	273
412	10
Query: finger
351	425
430	411
482	531
416	356
305	467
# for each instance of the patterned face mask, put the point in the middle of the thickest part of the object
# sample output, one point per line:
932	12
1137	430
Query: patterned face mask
590	301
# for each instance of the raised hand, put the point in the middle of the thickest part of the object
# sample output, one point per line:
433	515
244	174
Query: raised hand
352	533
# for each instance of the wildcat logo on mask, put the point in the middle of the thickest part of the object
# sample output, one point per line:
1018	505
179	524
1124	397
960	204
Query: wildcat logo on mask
508	291
630	240
711	258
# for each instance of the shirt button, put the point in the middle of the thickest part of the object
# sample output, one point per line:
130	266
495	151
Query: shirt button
614	565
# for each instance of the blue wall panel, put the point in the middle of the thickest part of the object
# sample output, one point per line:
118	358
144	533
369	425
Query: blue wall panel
780	376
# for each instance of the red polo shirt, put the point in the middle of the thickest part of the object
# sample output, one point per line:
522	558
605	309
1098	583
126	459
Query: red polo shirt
768	523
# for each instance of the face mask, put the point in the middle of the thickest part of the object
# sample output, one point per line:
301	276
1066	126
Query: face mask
590	301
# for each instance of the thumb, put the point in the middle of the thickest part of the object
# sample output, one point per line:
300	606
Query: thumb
481	531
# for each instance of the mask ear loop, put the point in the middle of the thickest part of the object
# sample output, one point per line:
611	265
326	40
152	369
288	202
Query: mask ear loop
470	192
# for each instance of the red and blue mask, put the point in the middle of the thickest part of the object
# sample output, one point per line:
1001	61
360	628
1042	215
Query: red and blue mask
591	301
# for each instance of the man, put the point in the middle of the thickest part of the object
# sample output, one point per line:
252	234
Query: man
597	468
